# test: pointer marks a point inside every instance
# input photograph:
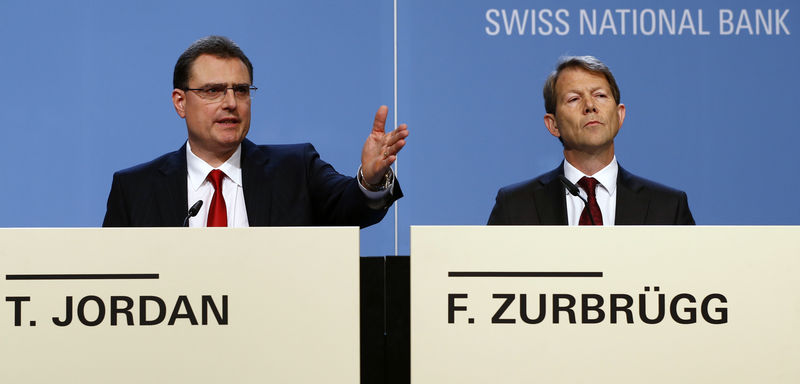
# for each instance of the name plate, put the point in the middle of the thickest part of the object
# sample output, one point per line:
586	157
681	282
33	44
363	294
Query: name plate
605	304
179	305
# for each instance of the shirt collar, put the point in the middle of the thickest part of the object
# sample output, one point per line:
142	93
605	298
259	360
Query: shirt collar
606	176
198	169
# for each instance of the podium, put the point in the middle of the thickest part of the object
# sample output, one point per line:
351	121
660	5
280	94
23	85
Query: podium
605	304
179	305
488	304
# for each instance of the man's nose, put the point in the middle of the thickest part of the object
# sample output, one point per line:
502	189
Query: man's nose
229	99
589	106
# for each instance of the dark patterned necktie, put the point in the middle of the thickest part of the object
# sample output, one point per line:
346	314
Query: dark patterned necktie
589	184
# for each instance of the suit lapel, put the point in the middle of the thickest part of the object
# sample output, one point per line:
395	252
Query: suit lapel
631	205
550	199
172	197
256	181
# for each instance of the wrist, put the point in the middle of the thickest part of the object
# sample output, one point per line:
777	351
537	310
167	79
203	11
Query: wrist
381	185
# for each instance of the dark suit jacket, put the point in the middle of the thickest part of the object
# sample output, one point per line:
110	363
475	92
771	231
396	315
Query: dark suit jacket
542	201
284	185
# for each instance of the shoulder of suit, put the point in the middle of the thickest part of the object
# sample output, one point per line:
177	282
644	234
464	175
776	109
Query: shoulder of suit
529	186
638	183
278	152
155	165
284	149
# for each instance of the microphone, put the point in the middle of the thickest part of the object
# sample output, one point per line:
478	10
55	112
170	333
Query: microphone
192	212
574	191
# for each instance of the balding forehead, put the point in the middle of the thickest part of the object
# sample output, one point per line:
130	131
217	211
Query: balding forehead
215	69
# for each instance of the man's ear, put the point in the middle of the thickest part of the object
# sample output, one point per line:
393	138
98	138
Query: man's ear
179	102
621	113
552	126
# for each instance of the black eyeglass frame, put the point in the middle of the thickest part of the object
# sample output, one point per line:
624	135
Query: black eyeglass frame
202	92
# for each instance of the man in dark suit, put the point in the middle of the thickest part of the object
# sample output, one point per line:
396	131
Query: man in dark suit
242	184
583	110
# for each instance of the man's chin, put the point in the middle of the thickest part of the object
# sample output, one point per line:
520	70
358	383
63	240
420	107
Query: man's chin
230	144
590	147
231	136
226	144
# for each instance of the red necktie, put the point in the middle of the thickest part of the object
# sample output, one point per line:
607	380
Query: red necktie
217	213
589	184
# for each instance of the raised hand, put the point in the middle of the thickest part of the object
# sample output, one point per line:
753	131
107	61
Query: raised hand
381	148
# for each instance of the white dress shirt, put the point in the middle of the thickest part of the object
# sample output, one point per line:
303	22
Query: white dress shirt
606	192
199	188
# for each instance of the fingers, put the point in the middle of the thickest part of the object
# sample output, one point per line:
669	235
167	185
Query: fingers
394	141
379	125
398	134
394	149
384	164
376	165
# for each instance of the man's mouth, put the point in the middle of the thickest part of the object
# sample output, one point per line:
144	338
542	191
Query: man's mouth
592	123
228	121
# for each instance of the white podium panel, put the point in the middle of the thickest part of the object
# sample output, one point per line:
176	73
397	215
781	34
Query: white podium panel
605	305
268	305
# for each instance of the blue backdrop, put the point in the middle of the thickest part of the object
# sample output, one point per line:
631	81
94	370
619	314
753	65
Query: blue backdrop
710	108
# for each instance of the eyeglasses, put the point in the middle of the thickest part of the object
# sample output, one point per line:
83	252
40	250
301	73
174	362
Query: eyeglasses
216	92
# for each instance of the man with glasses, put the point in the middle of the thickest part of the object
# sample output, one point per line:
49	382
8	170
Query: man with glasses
240	183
